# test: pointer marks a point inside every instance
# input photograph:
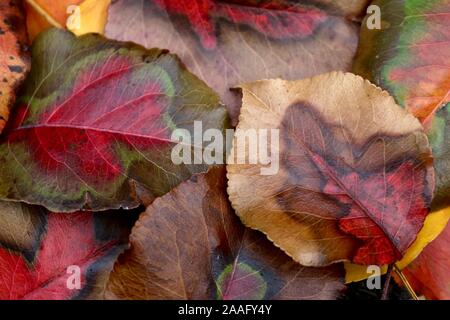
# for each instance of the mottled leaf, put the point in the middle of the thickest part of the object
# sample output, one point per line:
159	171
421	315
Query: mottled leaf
14	61
189	244
434	224
437	220
355	178
40	251
229	42
410	54
410	57
93	127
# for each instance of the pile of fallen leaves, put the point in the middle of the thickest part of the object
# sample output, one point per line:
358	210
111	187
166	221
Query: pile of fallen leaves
92	91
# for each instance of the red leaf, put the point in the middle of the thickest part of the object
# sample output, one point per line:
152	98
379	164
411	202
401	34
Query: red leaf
94	124
37	247
278	20
428	274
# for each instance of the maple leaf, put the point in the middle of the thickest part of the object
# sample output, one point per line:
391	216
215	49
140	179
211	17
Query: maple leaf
189	244
355	177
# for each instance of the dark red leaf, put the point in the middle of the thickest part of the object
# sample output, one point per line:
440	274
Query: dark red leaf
37	247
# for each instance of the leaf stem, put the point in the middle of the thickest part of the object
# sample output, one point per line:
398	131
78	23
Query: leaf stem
406	283
384	295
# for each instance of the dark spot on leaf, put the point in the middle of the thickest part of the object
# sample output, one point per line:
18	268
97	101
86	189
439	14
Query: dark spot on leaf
13	22
1	31
17	69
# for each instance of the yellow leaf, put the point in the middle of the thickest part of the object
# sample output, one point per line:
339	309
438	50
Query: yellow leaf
78	16
433	226
93	15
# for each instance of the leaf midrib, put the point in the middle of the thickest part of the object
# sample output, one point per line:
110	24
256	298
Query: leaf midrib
330	174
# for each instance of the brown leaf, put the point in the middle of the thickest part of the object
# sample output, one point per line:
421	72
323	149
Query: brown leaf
227	43
189	245
355	178
14	61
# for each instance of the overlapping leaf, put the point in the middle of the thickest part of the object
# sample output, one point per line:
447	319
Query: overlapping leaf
355	179
79	16
14	62
410	57
93	127
41	251
229	42
434	224
189	244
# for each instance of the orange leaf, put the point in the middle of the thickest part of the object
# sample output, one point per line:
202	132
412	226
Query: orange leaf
14	62
89	15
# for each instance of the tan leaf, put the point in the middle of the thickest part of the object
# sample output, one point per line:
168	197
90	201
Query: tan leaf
355	178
